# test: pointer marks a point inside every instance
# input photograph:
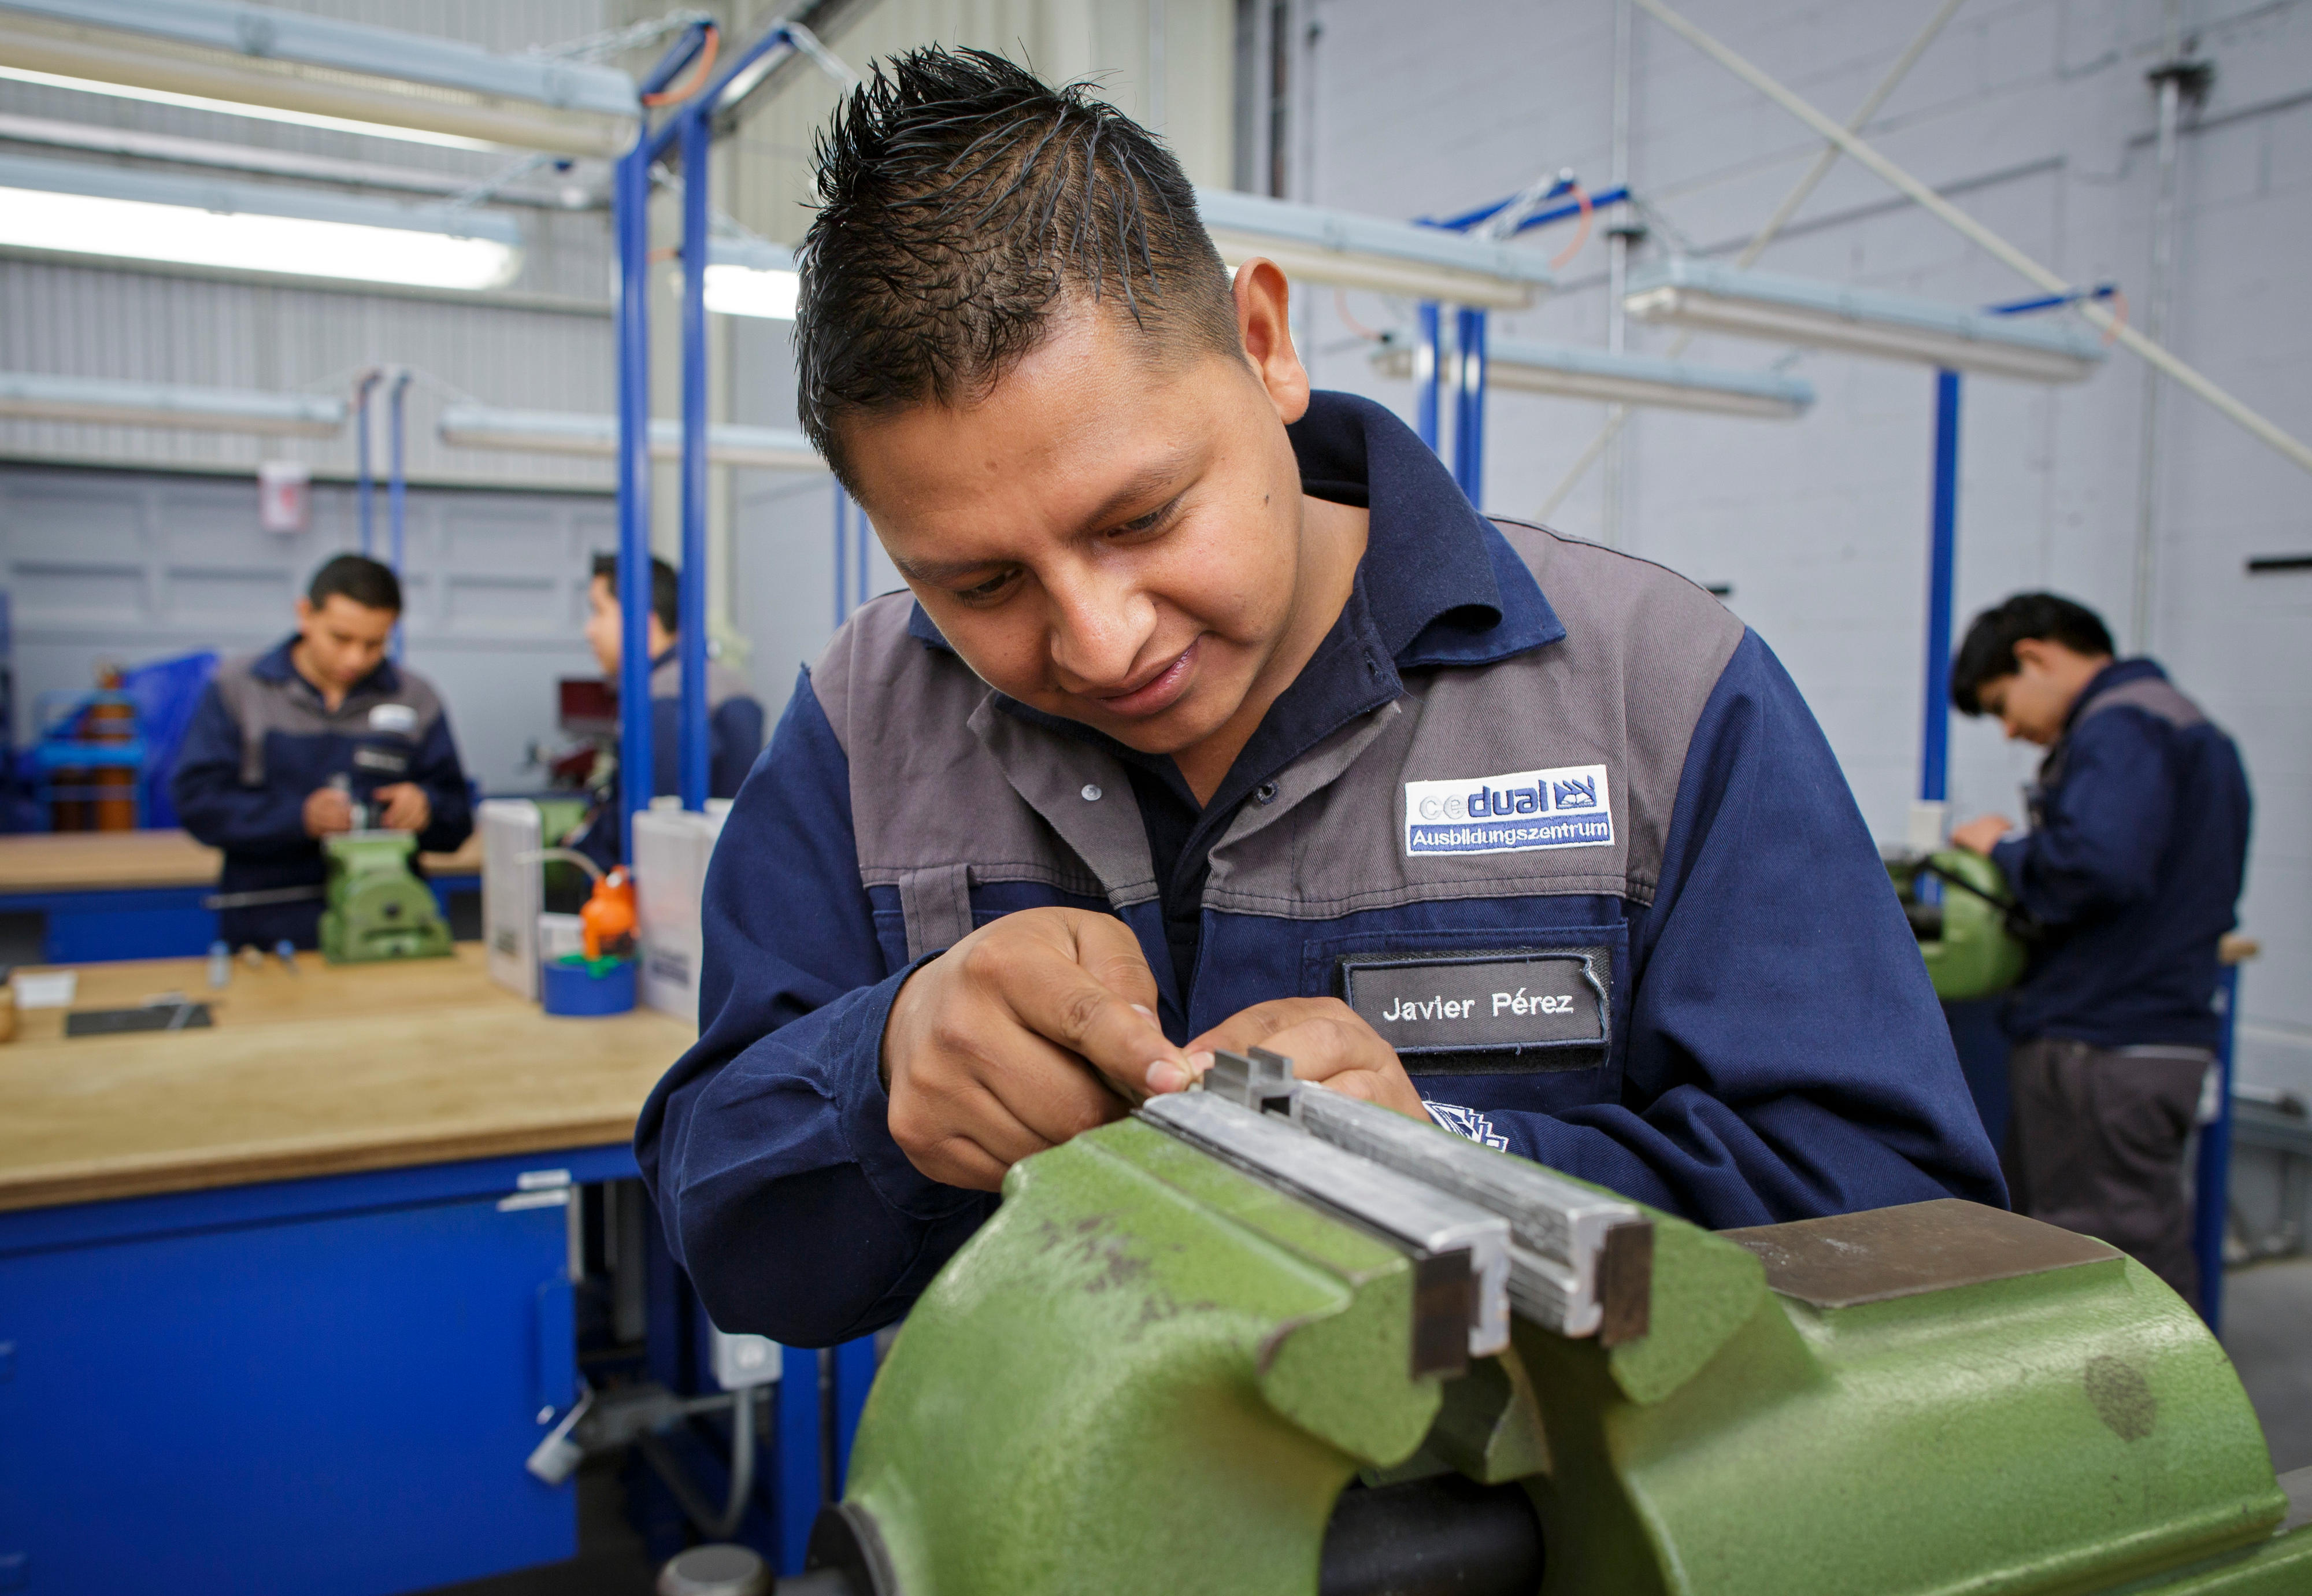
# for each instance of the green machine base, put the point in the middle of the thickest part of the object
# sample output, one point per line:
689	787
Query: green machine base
1962	921
376	907
1191	1346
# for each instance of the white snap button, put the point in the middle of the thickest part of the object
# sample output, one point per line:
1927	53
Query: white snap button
1091	792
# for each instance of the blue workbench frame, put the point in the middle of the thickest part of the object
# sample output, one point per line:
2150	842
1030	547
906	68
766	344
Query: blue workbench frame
103	926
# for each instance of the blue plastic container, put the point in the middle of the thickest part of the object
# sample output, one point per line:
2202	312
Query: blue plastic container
572	986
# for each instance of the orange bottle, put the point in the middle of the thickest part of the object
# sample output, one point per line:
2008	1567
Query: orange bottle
605	923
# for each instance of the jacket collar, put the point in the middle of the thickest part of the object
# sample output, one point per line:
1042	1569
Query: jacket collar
274	666
2118	673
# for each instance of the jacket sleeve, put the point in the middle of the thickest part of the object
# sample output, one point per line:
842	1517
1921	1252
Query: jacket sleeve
1785	1056
766	1148
737	737
2101	831
435	768
212	802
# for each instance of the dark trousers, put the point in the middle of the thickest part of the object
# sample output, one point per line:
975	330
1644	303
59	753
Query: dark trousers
2095	1141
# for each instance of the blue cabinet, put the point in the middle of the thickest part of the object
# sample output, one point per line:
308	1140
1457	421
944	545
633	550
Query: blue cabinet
323	1385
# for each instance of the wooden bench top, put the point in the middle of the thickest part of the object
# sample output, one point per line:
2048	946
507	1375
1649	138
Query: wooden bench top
122	861
333	1069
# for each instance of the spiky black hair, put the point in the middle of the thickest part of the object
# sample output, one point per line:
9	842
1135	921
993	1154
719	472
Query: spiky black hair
962	200
1988	651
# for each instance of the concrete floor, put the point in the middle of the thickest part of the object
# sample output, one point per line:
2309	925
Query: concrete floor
2268	1331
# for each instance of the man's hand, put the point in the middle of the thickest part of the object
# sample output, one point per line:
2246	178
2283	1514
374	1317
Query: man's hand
406	807
1979	834
328	809
1326	1040
1027	1031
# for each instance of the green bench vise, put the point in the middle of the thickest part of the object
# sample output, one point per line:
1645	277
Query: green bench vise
1262	1339
1967	932
374	905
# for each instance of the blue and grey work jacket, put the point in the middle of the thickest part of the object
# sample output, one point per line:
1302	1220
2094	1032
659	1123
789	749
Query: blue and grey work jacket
734	736
263	739
1552	820
2133	866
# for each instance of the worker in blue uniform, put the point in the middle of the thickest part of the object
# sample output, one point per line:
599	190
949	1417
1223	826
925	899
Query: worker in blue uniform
1214	715
734	715
2132	868
319	735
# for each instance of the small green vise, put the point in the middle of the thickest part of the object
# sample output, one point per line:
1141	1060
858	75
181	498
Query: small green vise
376	907
1967	932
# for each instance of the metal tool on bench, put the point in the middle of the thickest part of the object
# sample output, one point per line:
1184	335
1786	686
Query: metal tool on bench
1262	1338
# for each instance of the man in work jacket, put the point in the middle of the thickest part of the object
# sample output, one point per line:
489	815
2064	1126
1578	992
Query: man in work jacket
2132	867
734	717
1216	716
284	745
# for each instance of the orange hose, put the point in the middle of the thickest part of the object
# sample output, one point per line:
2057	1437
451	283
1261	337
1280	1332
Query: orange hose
676	93
1581	234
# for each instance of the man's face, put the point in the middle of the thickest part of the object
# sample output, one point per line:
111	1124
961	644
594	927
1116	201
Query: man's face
603	624
2032	702
1106	537
343	641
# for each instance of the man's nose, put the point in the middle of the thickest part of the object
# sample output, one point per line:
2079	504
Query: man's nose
1099	624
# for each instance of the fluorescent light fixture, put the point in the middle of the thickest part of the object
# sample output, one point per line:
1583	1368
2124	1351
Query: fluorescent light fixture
263	113
1569	372
1353	251
28	396
555	432
92	209
746	278
1718	298
248	55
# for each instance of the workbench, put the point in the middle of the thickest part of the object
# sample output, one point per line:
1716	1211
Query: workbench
286	1300
109	895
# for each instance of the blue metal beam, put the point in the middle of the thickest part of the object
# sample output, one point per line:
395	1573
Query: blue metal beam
397	482
362	490
691	639
631	204
1429	353
1942	562
1541	218
1469	404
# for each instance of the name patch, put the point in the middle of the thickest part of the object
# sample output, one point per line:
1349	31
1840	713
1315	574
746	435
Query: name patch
1486	1004
1569	807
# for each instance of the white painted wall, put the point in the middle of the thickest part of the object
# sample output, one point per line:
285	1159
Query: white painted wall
2034	115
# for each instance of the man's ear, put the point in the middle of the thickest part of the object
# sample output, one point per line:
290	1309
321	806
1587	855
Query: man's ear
305	612
2034	654
1264	304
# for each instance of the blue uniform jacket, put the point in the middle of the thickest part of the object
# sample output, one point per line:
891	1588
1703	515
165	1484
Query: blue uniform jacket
2134	864
1775	1049
262	740
734	736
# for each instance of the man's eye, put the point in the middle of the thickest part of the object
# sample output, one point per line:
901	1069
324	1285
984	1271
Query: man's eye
1148	522
989	589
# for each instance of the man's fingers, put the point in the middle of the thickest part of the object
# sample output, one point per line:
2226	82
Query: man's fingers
1253	1027
1055	996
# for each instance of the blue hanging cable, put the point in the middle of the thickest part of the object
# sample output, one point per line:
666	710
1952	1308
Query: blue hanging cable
397	489
361	494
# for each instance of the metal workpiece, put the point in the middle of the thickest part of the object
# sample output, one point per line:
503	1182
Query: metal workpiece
1580	1261
1460	1252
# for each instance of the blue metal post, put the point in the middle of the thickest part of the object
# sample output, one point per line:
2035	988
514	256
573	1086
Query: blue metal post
631	221
1942	561
861	537
361	491
2211	1182
1428	370
697	137
397	486
1470	405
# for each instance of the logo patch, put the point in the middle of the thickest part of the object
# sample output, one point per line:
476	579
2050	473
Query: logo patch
1570	807
393	717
